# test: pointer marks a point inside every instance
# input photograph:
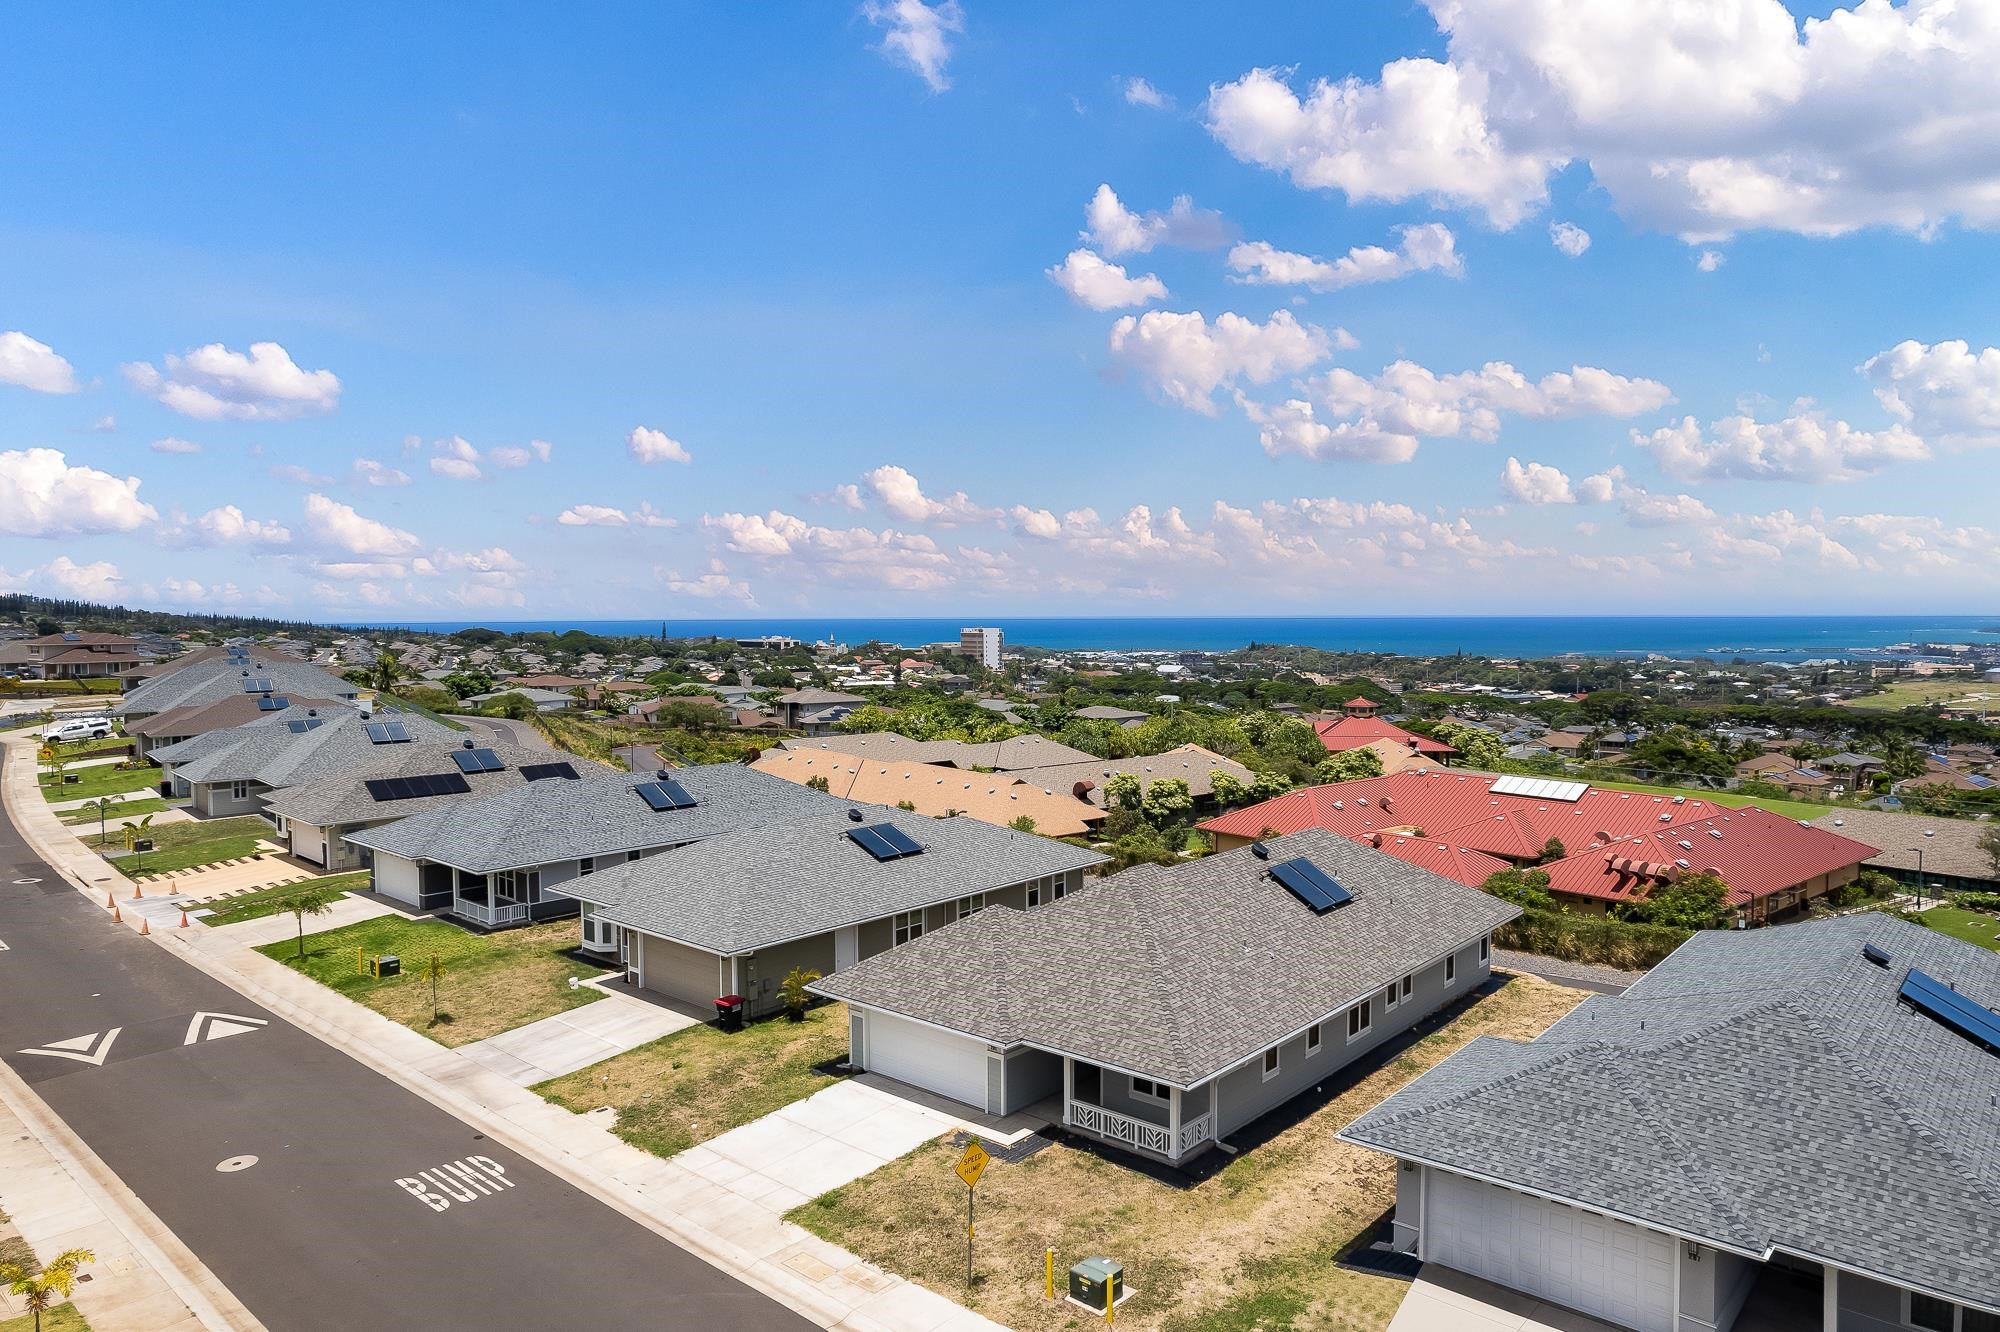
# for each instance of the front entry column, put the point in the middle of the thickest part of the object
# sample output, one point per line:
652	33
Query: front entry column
1829	1297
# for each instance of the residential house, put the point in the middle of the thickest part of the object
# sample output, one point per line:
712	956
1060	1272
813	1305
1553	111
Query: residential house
1814	1106
499	860
387	782
1939	855
544	700
1161	1010
1011	755
1116	716
1361	706
936	791
814	711
1344	733
735	913
71	656
213	679
175	725
225	773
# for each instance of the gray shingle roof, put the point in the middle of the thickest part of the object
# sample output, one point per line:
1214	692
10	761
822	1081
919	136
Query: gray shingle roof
217	678
751	889
1178	973
270	752
598	814
342	797
1758	1090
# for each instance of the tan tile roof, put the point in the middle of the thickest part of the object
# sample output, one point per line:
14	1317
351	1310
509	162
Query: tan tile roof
935	790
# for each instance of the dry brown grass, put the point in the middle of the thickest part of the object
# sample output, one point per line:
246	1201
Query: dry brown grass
1249	1249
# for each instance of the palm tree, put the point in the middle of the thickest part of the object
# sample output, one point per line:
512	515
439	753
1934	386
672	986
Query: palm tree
386	672
42	1290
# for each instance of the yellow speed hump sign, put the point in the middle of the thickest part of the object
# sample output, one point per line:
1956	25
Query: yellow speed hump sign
972	1165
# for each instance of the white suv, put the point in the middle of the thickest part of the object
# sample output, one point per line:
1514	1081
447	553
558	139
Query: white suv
77	728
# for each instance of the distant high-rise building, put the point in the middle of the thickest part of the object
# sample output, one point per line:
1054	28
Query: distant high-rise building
982	645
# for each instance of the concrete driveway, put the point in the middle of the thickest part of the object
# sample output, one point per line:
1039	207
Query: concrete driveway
576	1039
1442	1300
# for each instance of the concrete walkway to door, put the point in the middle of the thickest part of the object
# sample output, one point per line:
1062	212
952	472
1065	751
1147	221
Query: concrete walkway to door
567	1041
1442	1300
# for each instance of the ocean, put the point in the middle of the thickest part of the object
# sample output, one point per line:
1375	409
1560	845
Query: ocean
1757	638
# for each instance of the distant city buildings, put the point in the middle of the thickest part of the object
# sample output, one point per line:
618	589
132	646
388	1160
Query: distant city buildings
982	645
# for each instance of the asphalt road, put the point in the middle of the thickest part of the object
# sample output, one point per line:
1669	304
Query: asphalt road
319	1233
506	729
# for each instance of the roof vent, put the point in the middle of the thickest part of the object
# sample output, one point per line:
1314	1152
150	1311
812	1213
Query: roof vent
854	815
1259	850
1716	833
468	743
1876	953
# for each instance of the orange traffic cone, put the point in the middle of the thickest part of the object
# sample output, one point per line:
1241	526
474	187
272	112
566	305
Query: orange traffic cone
184	918
118	915
110	899
138	891
145	926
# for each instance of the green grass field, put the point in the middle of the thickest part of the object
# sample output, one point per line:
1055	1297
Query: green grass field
62	1318
266	901
104	780
110	744
1790	809
87	818
492	982
1971	926
179	846
1921	693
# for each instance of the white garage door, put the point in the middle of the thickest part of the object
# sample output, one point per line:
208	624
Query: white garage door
926	1057
1611	1269
685	973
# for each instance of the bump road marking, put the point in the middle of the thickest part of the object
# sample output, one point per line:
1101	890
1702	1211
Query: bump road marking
456	1181
87	1049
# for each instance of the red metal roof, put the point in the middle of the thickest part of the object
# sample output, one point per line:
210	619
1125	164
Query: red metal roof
1463	864
1345	733
1359	702
1754	851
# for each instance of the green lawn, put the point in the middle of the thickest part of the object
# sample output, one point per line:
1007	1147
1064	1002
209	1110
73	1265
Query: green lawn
110	744
179	846
1791	809
492	982
265	901
123	809
62	1318
1971	926
686	1088
1921	692
106	779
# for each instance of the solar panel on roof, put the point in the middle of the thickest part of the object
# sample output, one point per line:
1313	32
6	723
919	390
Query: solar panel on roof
883	841
1539	788
388	733
1947	1007
425	784
476	760
1311	885
272	703
535	772
257	684
300	725
664	796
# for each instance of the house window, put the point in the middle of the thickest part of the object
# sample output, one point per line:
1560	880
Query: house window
1927	1311
1485	949
588	865
965	906
908	925
1975	1320
239	791
1450	968
1270	1063
1313	1039
1148	1090
1396	992
1408	981
1035	894
631	856
1359	1020
1062	889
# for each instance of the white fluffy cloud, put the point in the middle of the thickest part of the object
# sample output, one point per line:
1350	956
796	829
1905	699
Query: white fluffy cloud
600	515
457	459
1117	231
98	581
368	472
1568	237
1292	426
42	495
174	446
1536	483
900	493
1186	359
918	35
1099	285
1141	93
213	383
340	528
1643	509
1944	391
1701	119
1710	260
717	584
227	526
1601	487
904	561
1804	447
34	365
1424	248
649	446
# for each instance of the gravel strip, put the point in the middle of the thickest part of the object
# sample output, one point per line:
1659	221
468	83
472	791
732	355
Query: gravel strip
1556	968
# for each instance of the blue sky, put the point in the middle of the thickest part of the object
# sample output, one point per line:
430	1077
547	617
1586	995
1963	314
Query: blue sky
645	310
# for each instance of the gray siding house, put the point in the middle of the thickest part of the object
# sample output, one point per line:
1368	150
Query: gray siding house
232	772
1807	1106
735	913
501	860
1163	1009
213	679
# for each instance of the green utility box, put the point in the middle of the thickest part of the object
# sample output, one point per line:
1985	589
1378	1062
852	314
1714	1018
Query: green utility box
1091	1278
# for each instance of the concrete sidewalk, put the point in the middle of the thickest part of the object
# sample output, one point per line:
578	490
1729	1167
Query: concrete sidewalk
735	1234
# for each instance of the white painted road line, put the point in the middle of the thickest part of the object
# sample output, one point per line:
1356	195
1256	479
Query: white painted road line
215	1026
88	1049
456	1181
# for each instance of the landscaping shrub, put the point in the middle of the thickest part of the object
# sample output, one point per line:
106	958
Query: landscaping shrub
1976	901
1599	939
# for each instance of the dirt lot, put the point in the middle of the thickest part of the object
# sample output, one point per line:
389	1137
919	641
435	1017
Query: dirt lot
1250	1249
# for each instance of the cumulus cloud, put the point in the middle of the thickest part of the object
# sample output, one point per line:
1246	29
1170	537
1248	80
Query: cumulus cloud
1098	285
98	581
904	561
1425	248
1186	359
213	383
1945	391
918	35
227	526
368	472
29	364
649	446
43	495
1116	230
1536	483
1141	93
600	515
1293	427
339	527
1699	119
1568	237
717	584
1601	487
300	476
457	459
174	446
1805	447
1643	509
1710	260
900	493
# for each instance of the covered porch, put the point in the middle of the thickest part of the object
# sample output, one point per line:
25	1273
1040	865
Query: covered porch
494	900
1137	1113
